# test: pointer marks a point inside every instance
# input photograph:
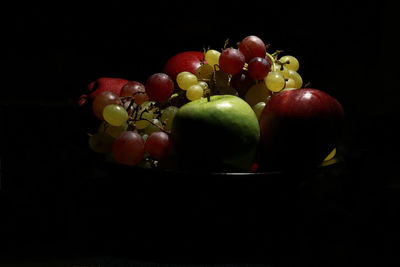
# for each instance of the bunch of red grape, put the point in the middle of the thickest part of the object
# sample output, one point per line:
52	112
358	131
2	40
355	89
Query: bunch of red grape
136	119
250	72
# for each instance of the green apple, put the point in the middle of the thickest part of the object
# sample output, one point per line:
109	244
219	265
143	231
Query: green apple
220	134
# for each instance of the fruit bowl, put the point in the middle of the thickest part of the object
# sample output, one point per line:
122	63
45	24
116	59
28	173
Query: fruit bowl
202	160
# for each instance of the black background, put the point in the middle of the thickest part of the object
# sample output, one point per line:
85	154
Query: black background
52	51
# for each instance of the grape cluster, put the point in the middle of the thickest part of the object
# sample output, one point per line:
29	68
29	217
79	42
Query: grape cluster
136	119
135	123
247	71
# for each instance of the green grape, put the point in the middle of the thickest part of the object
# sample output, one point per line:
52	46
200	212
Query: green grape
148	105
212	57
296	77
114	131
186	79
144	117
290	83
101	142
257	93
204	72
194	92
275	81
293	62
203	85
115	115
276	67
282	69
167	116
258	109
152	128
143	121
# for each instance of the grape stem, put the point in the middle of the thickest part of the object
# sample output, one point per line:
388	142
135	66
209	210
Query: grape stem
132	99
203	60
276	53
135	111
274	59
158	126
226	43
271	57
150	121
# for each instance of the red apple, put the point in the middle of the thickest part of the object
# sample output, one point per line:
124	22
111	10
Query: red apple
103	84
299	128
186	61
106	84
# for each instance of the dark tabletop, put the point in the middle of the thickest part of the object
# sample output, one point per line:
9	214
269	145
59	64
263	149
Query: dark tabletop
62	205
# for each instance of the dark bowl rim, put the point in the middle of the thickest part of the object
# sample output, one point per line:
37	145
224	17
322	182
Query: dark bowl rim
110	165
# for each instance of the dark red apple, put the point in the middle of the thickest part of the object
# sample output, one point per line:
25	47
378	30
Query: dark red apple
106	84
186	61
103	84
299	128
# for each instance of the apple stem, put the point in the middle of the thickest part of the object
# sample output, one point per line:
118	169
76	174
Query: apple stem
213	81
208	95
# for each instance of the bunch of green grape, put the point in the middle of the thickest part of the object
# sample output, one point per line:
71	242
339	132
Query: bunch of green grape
247	71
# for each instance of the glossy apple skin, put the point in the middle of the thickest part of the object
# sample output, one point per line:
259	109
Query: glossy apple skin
186	61
106	84
103	84
299	128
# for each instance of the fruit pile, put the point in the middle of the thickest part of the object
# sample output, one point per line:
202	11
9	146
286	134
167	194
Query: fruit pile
228	110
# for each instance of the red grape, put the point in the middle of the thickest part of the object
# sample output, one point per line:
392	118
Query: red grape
258	68
133	89
242	82
231	61
128	148
251	47
103	99
158	144
159	87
